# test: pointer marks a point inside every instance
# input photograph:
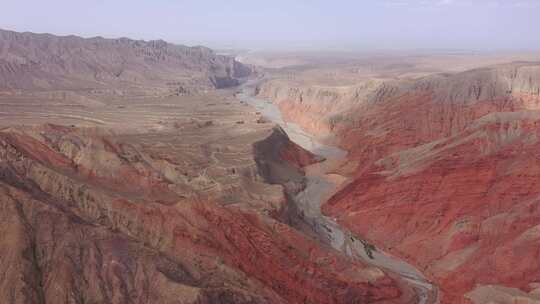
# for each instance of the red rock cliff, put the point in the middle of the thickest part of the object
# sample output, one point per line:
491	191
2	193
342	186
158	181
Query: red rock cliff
444	174
446	177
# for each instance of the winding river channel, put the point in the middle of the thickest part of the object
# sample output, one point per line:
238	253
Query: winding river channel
320	186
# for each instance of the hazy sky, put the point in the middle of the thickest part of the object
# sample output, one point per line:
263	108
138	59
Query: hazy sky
368	24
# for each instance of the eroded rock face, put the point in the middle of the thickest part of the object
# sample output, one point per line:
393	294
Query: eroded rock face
444	174
465	204
321	109
89	217
279	159
43	61
313	107
449	183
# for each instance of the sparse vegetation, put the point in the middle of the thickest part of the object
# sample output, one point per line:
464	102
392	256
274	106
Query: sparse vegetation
368	247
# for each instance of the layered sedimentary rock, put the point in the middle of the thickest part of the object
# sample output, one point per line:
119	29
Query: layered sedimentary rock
314	106
151	186
89	216
443	174
42	61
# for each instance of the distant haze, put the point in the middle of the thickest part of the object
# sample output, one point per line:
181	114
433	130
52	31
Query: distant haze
301	24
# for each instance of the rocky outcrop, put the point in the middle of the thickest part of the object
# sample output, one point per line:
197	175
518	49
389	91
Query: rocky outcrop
280	160
438	166
44	61
87	217
314	107
437	204
321	109
470	86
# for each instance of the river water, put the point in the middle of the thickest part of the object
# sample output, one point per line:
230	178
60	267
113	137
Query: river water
320	186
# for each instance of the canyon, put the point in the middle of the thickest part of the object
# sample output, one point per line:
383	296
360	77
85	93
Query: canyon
441	168
130	191
321	183
148	172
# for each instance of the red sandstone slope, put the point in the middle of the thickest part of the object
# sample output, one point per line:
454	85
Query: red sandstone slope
86	218
447	174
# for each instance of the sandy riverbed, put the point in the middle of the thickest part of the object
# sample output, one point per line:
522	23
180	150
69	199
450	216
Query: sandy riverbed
320	186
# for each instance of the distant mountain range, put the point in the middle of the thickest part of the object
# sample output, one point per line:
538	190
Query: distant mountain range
44	61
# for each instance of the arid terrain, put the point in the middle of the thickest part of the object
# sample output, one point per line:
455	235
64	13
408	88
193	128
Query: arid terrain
441	166
127	190
148	172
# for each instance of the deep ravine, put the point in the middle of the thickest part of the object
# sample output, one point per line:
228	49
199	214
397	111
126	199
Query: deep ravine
320	186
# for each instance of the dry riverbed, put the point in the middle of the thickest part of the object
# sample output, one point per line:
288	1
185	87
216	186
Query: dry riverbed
320	186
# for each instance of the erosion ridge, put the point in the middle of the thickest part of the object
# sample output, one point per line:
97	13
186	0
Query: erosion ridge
31	61
92	209
471	86
443	174
319	108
